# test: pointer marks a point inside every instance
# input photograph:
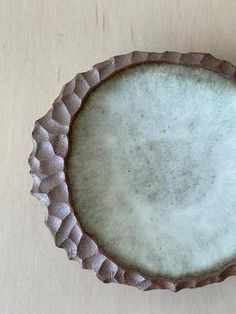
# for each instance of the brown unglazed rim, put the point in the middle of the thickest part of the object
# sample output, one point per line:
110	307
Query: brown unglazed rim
47	160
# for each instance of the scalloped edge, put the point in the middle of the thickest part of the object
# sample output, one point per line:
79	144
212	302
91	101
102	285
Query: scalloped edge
47	160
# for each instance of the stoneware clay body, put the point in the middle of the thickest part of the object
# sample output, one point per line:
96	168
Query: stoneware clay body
136	163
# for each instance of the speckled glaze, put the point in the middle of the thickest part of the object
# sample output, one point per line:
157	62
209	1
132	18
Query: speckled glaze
50	186
152	166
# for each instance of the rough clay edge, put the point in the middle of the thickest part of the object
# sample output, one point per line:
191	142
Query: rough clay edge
50	139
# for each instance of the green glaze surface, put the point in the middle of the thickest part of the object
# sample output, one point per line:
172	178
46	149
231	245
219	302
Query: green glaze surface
152	169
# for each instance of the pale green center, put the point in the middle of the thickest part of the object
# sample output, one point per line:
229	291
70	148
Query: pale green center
152	169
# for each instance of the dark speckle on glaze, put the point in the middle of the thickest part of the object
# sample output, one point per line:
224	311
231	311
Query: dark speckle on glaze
152	166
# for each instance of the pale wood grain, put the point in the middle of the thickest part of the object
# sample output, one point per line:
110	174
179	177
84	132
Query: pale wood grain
43	45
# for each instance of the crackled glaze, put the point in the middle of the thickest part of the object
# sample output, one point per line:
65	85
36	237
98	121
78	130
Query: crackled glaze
152	169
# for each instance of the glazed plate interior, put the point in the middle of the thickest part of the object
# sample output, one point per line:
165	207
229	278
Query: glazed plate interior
152	169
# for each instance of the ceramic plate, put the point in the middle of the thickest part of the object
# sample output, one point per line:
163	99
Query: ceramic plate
136	163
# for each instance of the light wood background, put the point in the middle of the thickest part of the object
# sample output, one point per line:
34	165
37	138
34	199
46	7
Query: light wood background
43	44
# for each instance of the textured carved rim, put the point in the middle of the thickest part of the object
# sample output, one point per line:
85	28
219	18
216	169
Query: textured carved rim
50	139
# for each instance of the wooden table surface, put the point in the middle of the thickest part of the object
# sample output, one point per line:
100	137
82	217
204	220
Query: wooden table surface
43	44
